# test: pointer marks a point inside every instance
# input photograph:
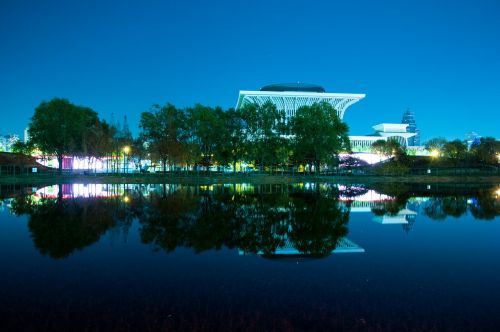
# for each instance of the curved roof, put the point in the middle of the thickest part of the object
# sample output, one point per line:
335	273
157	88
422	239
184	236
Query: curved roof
302	87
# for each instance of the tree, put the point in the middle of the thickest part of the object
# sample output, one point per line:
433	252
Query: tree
390	147
58	127
233	147
265	134
455	150
379	147
435	144
319	134
139	151
21	147
207	130
487	151
98	140
163	131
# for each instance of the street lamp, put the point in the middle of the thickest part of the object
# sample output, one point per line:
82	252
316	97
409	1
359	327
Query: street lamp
126	151
435	153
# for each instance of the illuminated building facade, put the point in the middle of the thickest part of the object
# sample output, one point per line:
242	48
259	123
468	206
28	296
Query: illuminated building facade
289	97
383	131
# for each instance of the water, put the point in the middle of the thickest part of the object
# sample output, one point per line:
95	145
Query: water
308	256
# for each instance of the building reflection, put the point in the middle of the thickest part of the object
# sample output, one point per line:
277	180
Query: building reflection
402	217
343	246
302	219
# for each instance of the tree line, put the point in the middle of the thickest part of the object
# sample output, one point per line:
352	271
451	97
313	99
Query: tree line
486	150
200	137
195	137
191	217
254	221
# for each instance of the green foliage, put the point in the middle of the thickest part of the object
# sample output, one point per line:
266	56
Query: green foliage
380	147
435	144
389	147
487	151
207	132
455	150
59	127
265	129
233	147
163	130
21	147
319	135
392	168
98	140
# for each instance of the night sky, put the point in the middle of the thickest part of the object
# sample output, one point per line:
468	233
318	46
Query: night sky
441	59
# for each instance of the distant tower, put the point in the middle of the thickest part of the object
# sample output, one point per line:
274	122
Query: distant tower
472	138
125	129
26	135
409	118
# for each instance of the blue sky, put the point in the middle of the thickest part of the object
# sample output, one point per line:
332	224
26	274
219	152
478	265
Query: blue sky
441	59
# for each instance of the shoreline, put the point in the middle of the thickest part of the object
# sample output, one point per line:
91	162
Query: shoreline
253	178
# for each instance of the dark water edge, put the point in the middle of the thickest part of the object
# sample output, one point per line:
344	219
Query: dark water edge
439	275
201	178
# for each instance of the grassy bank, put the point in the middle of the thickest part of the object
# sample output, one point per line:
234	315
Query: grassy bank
239	178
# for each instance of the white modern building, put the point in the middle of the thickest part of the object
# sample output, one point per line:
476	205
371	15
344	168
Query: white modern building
383	131
288	97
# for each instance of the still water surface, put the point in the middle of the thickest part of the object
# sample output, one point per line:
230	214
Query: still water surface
242	257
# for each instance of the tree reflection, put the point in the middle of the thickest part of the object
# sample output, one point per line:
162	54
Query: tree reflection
317	223
486	205
434	208
390	206
483	205
307	219
164	218
254	222
264	220
59	226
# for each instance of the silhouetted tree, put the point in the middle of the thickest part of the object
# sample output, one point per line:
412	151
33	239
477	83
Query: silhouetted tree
318	135
58	127
163	131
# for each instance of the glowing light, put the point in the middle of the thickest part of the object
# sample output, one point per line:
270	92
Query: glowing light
370	158
435	153
36	152
77	190
126	149
126	199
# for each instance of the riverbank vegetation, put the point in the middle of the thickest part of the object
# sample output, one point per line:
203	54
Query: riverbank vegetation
254	138
198	137
446	158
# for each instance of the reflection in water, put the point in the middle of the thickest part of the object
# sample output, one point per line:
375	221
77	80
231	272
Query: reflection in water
260	220
403	216
60	226
270	220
